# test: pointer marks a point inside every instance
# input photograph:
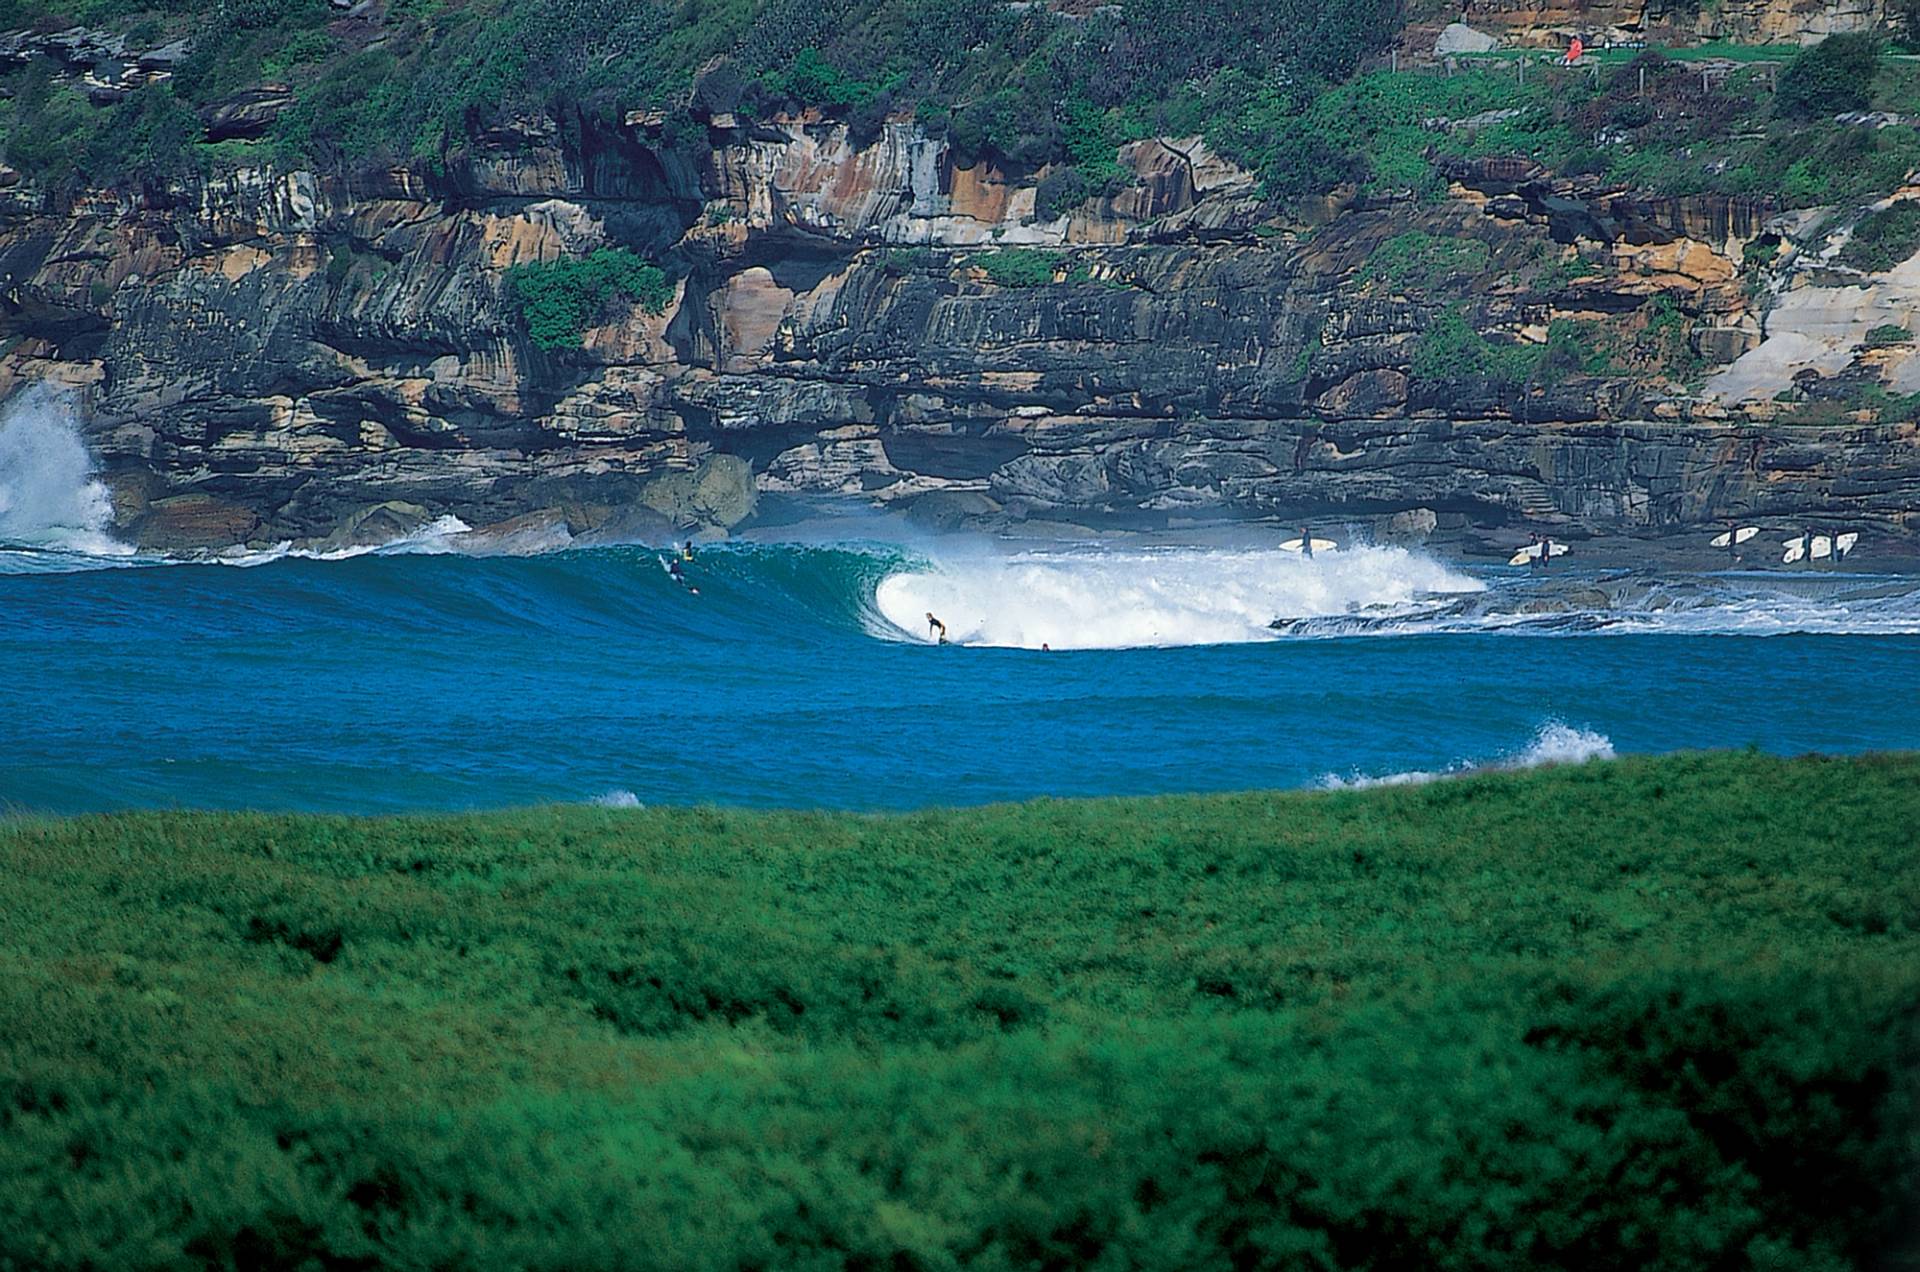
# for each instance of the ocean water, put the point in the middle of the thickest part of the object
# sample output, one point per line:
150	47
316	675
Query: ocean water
426	676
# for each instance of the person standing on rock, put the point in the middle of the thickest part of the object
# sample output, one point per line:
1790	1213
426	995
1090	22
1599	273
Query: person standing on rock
1306	543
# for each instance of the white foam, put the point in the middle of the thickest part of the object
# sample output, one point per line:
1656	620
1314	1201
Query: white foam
617	799
1123	598
1552	743
49	496
438	537
1557	743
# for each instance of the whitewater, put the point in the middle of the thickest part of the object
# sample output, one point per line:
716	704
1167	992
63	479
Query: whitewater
435	672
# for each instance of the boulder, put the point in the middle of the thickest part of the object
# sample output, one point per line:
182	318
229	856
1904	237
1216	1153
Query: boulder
1458	37
718	493
246	114
374	526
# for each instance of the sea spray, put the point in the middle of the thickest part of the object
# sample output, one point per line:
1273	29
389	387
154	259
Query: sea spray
49	496
1552	743
1125	598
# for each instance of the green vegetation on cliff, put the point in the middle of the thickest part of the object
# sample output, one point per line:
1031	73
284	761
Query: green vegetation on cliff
558	300
1654	1013
419	79
1292	89
1884	238
1019	266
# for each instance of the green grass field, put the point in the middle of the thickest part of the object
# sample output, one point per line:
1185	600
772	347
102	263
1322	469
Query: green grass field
1649	1013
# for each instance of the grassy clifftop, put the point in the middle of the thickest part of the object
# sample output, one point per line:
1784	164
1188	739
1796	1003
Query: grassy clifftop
1294	90
1653	1012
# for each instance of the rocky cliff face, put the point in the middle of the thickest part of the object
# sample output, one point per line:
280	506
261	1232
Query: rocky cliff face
266	356
1552	22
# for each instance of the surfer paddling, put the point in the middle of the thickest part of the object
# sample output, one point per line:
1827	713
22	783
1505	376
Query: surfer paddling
935	625
679	576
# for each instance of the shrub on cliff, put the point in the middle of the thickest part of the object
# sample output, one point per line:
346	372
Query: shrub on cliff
559	300
1060	192
1424	261
1301	165
51	130
1451	351
1885	238
1830	77
1019	266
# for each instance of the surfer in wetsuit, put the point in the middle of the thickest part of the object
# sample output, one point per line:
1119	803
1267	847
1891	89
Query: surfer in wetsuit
935	625
679	576
1306	542
686	551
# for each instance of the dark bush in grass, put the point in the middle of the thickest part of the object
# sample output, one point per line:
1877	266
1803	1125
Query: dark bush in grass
1830	77
1302	165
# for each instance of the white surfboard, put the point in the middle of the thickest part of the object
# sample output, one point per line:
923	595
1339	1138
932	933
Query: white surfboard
1732	537
1843	544
1532	551
1821	548
1319	545
1795	550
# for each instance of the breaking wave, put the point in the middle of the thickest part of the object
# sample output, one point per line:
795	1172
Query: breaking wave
1552	743
1123	598
54	513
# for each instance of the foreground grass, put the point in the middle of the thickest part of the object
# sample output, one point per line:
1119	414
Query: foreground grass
1654	1013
